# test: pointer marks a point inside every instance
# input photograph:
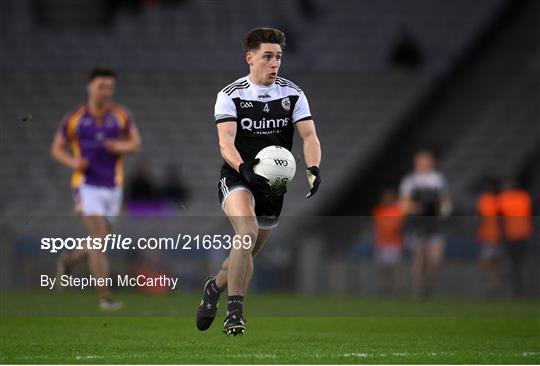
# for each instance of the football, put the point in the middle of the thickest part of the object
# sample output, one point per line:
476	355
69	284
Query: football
276	164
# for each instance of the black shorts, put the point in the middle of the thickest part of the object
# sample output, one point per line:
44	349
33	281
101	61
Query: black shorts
267	208
423	225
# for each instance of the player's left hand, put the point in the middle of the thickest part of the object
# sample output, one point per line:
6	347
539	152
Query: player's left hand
314	180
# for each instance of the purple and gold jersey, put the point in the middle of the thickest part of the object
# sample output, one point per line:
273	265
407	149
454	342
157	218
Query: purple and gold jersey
85	133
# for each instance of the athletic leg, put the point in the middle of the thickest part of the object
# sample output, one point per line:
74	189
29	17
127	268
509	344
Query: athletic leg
239	208
262	238
74	256
434	257
98	263
221	277
214	286
418	268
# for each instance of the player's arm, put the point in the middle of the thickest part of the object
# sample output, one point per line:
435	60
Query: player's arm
312	153
128	145
408	206
446	206
312	147
446	201
60	153
226	116
226	137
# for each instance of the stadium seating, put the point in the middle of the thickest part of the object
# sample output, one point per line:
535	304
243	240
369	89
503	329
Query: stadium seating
170	84
503	114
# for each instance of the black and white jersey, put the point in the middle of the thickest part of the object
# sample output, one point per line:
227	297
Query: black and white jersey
265	115
426	190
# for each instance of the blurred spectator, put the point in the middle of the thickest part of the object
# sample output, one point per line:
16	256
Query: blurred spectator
425	199
173	188
489	237
141	187
148	198
388	226
143	195
405	52
516	209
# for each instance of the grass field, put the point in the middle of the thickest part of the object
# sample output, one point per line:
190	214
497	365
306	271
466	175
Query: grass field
38	327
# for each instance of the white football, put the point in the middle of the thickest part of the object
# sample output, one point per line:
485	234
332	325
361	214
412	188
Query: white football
276	164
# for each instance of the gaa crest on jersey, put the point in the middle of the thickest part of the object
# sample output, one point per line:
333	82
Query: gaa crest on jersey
286	104
246	105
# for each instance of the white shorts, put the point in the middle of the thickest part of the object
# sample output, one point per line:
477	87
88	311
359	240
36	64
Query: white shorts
101	201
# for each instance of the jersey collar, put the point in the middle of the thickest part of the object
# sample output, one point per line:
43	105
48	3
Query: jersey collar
98	115
259	87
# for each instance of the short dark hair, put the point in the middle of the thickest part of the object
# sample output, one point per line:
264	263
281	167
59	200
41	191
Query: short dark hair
253	39
100	71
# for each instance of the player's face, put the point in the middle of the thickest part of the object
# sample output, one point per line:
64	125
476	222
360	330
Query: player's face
264	63
423	163
101	90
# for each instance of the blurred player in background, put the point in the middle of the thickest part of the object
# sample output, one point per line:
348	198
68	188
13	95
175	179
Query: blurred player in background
99	133
254	112
388	229
515	205
424	199
489	237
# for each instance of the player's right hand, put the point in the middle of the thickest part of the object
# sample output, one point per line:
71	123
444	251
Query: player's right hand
271	192
80	163
255	181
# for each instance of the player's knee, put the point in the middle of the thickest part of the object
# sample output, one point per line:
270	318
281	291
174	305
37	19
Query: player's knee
248	238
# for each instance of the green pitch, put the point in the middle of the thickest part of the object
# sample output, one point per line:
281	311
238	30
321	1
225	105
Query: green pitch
40	327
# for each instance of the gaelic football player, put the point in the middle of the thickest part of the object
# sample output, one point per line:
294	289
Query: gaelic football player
99	133
425	199
253	112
